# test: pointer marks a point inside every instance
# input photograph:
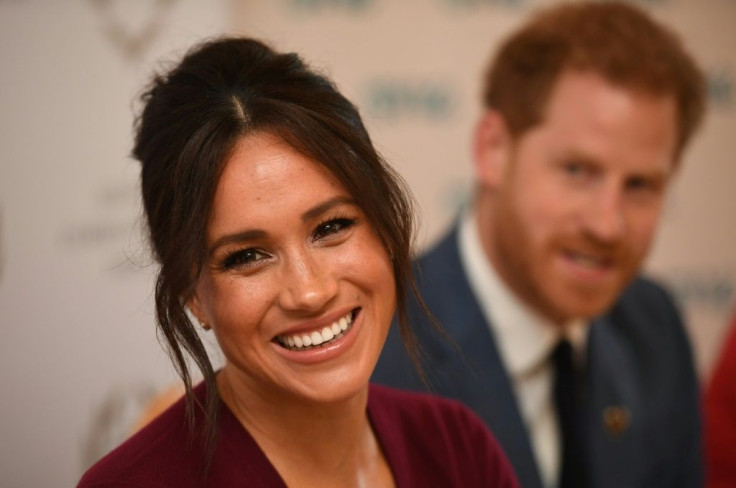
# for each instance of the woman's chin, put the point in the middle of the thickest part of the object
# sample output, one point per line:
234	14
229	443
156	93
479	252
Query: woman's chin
334	386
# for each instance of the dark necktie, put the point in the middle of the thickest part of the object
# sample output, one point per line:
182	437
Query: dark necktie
568	390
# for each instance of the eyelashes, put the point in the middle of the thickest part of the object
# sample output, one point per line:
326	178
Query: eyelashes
242	258
332	227
328	231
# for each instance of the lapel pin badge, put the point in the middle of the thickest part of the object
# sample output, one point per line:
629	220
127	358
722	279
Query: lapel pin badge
616	420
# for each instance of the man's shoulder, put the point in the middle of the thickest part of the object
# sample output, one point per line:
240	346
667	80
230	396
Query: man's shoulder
441	252
440	275
646	320
644	288
647	300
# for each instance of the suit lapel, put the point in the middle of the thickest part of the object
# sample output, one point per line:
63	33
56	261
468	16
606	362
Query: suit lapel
615	413
478	375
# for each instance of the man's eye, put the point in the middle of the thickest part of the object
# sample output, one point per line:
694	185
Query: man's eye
641	184
332	227
243	257
574	169
580	172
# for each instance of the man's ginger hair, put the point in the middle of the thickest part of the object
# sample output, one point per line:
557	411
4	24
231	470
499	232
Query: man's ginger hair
619	42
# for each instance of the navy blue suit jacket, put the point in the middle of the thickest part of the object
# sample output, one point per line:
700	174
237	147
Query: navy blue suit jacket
639	360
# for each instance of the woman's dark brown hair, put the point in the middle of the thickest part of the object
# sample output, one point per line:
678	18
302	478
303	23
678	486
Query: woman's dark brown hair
193	115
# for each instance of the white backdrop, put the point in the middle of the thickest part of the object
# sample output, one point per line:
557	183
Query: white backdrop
79	356
415	67
78	353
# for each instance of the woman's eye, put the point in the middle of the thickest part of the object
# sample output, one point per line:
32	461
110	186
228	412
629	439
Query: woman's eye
243	257
332	227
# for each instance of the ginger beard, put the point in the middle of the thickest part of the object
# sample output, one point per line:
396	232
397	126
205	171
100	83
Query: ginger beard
575	204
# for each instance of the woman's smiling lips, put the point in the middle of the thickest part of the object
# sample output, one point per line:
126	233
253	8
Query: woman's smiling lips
300	341
316	343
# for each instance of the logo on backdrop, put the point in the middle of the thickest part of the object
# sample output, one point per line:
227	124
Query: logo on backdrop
708	289
394	99
130	29
643	3
313	6
720	87
489	3
109	236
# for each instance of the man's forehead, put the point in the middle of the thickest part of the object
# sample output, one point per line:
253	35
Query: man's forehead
589	119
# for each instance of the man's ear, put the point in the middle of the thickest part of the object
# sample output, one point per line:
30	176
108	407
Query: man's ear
491	149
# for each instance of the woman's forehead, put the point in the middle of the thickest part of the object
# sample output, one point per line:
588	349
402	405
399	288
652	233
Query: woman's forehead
266	179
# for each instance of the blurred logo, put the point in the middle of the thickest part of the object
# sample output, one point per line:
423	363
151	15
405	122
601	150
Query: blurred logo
489	3
314	6
110	237
394	99
720	87
132	26
712	290
643	3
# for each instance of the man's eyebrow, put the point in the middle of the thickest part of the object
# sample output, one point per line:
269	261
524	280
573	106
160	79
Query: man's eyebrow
577	156
254	234
653	172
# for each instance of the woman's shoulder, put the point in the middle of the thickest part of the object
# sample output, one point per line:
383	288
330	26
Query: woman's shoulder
150	457
416	411
398	402
430	427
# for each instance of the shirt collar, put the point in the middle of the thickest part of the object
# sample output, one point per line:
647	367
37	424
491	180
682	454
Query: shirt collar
524	338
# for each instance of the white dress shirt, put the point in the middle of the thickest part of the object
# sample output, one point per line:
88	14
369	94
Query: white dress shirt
525	342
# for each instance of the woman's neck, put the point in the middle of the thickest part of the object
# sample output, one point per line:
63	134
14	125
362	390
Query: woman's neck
311	444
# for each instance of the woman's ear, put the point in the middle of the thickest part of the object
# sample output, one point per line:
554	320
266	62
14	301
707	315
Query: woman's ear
491	149
195	307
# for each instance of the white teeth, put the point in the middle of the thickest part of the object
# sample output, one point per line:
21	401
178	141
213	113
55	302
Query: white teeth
316	338
590	263
586	261
327	334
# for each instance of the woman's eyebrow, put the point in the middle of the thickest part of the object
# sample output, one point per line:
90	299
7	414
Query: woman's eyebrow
246	235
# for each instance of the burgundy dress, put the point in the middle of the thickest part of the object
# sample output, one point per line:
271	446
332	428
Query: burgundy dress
428	442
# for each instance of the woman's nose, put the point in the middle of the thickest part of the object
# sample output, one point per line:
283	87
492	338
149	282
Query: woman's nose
309	284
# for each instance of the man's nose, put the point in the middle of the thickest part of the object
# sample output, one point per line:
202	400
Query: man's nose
308	284
604	216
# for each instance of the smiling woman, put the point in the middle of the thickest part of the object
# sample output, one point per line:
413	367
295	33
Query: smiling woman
292	258
279	227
